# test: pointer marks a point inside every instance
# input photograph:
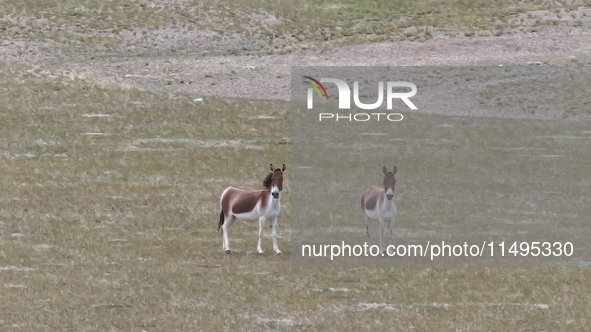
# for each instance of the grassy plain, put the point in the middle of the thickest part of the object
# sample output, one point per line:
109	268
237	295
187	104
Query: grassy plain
110	223
108	213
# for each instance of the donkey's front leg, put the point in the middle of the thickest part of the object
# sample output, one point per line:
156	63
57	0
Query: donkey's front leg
274	235
382	236
261	228
389	232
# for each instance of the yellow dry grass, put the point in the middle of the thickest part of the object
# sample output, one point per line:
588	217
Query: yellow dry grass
119	231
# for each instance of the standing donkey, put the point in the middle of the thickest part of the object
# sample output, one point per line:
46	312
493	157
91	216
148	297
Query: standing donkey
253	205
378	203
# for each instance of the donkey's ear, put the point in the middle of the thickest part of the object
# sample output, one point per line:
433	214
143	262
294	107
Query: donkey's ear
271	167
395	170
283	168
384	170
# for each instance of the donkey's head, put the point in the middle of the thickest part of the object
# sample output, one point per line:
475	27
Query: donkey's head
389	181
276	183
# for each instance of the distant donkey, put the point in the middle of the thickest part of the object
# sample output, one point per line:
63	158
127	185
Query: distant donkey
378	203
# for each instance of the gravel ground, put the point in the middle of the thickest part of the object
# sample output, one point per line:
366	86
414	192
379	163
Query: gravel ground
563	40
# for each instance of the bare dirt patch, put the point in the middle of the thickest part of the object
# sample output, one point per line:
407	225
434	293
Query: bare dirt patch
201	61
267	77
214	48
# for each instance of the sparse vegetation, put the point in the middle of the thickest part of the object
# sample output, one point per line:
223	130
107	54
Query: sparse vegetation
111	174
264	27
118	231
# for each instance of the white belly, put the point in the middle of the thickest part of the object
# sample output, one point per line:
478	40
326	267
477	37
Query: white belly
272	211
249	216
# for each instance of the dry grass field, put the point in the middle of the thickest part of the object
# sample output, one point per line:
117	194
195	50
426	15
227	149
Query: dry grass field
111	174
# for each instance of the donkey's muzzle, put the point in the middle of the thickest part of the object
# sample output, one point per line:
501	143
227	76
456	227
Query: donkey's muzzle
275	195
389	196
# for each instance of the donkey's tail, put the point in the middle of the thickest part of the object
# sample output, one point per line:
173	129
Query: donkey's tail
221	221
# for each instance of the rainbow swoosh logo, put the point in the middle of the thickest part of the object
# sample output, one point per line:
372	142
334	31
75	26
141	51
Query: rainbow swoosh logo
316	85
